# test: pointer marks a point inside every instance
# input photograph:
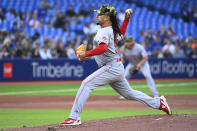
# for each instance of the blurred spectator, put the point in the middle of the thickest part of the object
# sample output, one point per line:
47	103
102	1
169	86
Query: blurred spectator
155	45
34	23
149	34
76	40
13	54
51	24
186	13
52	12
60	49
170	31
1	15
27	17
70	51
45	5
26	48
87	29
59	23
190	38
194	14
35	37
70	12
19	16
21	26
2	36
179	53
92	14
20	51
163	33
4	53
10	15
14	28
53	50
35	50
83	12
45	52
194	49
41	21
188	51
141	38
168	49
7	41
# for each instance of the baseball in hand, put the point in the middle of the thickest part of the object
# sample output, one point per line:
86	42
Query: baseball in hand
129	11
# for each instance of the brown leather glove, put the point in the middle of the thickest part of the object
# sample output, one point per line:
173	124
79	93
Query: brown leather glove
80	49
133	70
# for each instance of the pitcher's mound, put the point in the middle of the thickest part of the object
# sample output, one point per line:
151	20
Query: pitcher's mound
134	123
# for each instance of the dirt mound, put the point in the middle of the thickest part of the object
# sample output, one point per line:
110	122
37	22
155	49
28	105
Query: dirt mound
135	123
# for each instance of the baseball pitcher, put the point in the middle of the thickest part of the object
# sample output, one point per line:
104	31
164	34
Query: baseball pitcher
111	69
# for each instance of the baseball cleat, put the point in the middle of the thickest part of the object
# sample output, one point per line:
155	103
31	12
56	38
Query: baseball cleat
70	122
164	105
122	98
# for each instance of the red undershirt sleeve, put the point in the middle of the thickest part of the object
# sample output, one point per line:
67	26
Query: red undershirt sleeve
100	49
123	26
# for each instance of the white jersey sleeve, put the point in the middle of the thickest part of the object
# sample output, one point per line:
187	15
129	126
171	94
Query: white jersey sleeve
143	52
102	37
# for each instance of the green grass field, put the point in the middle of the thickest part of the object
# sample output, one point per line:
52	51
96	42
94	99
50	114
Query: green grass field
13	118
165	88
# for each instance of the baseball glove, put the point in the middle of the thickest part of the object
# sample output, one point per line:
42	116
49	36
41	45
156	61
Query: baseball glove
133	70
80	49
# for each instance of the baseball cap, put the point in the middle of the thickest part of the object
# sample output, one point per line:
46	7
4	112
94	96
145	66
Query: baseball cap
128	39
106	10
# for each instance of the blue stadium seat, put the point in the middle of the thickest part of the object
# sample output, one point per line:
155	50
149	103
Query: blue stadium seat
41	39
72	27
79	28
65	37
72	34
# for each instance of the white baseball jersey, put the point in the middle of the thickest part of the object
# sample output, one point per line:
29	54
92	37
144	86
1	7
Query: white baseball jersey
106	35
136	54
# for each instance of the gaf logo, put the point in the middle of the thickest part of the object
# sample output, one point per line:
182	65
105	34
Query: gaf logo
7	70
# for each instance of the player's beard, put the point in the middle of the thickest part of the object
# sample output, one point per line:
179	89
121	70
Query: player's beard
130	47
98	23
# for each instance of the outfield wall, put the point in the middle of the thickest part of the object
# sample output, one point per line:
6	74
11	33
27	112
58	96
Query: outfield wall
65	69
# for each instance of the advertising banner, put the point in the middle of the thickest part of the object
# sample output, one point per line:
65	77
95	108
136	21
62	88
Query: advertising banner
65	69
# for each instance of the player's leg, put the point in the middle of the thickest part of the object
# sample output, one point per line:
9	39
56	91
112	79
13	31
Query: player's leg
93	81
127	75
124	89
127	72
102	76
145	69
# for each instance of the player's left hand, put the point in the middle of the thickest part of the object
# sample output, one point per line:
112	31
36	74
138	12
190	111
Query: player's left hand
82	56
128	13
